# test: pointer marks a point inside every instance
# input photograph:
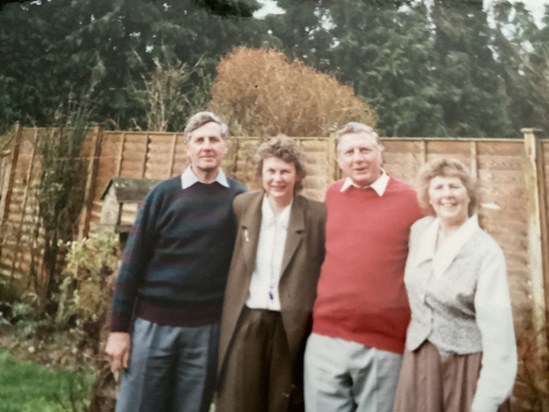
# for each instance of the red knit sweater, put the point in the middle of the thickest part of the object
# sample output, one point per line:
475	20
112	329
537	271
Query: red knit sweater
361	295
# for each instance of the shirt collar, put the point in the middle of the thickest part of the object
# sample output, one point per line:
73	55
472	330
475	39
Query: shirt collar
188	178
379	186
268	216
444	256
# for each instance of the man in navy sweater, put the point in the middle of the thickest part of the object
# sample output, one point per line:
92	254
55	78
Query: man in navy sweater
169	292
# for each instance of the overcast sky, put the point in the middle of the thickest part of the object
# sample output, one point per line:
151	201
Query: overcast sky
537	7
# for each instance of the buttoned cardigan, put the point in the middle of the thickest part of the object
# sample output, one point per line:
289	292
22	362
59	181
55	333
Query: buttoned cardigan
459	299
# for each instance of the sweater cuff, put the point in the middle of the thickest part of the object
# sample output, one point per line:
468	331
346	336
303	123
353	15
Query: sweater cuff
121	322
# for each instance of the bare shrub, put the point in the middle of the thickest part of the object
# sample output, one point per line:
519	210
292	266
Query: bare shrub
259	92
170	92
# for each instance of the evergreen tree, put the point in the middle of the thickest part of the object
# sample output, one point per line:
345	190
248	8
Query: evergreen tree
34	63
303	32
515	30
537	72
49	49
386	53
472	93
426	71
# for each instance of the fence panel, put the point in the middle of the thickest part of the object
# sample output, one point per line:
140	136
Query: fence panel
501	166
20	236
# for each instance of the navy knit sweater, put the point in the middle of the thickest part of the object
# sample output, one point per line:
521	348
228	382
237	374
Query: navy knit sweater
175	265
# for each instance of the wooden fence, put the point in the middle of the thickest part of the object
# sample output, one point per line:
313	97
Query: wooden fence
514	189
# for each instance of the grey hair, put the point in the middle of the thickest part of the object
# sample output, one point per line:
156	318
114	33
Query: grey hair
202	118
357	128
446	167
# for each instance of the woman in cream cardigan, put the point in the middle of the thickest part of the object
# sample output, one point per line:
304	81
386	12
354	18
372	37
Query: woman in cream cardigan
460	345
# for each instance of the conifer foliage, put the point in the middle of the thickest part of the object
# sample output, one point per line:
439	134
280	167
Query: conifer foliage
471	89
426	67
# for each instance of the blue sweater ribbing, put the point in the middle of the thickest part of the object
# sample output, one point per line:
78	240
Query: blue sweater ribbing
175	265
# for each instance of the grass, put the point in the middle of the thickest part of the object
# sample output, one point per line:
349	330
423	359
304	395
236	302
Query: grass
26	387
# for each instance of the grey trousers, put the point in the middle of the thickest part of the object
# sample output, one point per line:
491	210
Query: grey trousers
344	376
172	369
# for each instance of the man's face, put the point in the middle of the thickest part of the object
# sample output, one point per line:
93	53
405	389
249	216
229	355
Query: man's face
359	157
206	148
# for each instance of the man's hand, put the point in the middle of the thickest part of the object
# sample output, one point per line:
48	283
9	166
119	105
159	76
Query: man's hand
118	350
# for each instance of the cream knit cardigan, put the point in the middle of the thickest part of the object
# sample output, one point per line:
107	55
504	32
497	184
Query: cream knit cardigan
459	298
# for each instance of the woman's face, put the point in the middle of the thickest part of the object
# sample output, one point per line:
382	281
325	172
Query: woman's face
279	179
449	199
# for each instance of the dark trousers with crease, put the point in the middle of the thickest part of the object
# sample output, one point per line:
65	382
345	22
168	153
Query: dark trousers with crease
258	373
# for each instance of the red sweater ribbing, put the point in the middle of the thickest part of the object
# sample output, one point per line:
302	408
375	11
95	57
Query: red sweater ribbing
361	296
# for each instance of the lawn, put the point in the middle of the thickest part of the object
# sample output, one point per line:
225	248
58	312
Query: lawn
26	387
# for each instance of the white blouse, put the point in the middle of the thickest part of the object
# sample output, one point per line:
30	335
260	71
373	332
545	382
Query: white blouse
263	292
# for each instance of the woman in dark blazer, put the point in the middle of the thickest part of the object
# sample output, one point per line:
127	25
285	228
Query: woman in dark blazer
271	287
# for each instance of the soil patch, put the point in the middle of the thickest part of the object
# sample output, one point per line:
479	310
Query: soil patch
55	349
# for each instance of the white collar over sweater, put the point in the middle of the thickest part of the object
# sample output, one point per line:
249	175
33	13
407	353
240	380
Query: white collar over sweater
379	185
188	178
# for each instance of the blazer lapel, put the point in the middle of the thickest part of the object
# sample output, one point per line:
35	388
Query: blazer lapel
250	225
296	229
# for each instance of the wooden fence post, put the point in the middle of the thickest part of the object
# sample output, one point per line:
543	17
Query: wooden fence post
28	188
172	155
334	172
120	155
89	193
5	200
538	241
145	156
5	195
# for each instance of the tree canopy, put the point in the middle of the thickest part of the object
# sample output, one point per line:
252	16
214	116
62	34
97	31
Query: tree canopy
444	68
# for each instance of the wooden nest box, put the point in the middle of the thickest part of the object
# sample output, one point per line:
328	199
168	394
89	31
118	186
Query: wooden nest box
121	199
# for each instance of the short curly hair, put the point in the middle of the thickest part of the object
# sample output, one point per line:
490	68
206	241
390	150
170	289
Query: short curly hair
202	118
286	149
446	167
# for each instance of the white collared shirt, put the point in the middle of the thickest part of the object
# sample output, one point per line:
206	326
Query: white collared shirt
188	178
263	292
379	186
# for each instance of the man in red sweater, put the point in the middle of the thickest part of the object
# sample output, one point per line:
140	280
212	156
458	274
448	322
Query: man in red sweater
353	355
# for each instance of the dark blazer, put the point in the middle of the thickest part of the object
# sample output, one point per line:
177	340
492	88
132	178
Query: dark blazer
303	256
